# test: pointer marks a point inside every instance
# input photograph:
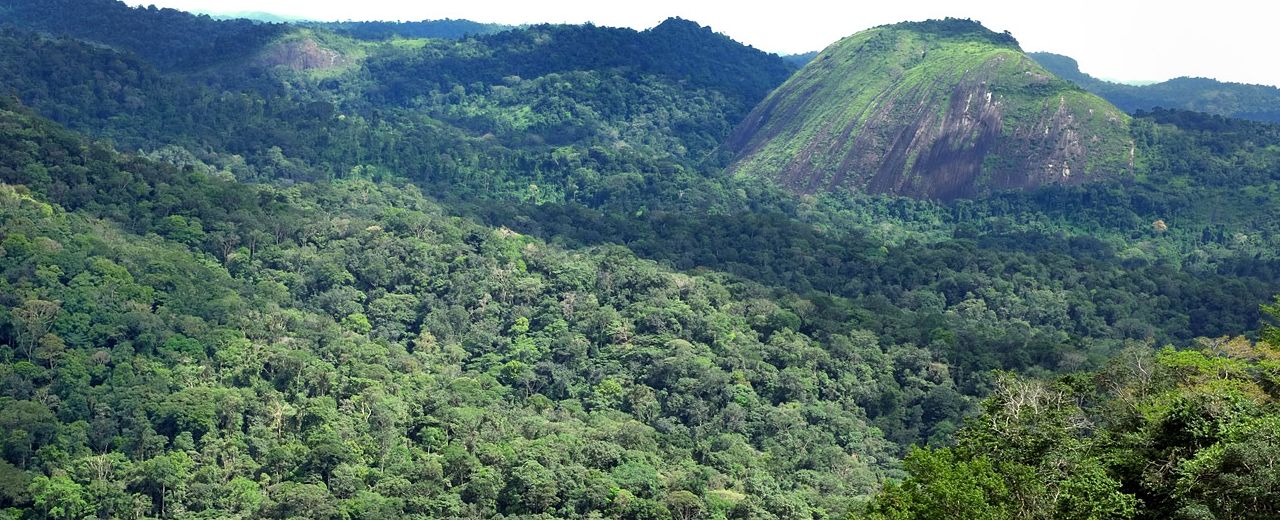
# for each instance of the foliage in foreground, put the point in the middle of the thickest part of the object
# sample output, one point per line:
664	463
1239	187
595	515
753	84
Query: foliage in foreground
1185	434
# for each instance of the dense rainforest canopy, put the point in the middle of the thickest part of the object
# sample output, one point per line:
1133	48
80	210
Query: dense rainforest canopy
322	273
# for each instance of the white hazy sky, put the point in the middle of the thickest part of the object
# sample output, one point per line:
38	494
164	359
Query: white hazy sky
1230	40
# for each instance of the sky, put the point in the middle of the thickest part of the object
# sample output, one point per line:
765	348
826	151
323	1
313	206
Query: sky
1127	40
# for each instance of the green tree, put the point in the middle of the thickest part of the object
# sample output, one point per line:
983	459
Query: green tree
165	478
945	483
684	505
59	497
532	488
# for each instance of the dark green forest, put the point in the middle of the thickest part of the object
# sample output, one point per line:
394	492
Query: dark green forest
270	271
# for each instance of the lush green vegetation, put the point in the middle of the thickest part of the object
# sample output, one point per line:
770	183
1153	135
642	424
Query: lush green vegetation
1256	102
215	349
1155	434
505	275
484	115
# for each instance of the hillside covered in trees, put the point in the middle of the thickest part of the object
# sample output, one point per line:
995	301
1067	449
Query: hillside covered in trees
328	274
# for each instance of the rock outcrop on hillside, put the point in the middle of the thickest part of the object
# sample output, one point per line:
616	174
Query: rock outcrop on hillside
939	110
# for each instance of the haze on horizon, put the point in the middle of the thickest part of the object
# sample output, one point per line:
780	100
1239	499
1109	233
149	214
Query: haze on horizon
1121	40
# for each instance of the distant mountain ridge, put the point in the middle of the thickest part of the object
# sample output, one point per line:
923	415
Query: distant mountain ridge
257	16
1238	100
799	60
940	109
380	30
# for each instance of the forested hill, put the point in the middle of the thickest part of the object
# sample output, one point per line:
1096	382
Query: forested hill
677	50
1255	102
939	109
671	93
167	38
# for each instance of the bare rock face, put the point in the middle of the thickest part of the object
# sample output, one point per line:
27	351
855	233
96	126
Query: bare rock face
302	55
937	110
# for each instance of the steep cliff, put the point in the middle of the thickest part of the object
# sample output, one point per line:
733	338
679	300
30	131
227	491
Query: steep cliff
938	109
302	53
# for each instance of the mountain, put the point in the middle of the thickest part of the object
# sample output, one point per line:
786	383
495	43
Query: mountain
938	109
1238	100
